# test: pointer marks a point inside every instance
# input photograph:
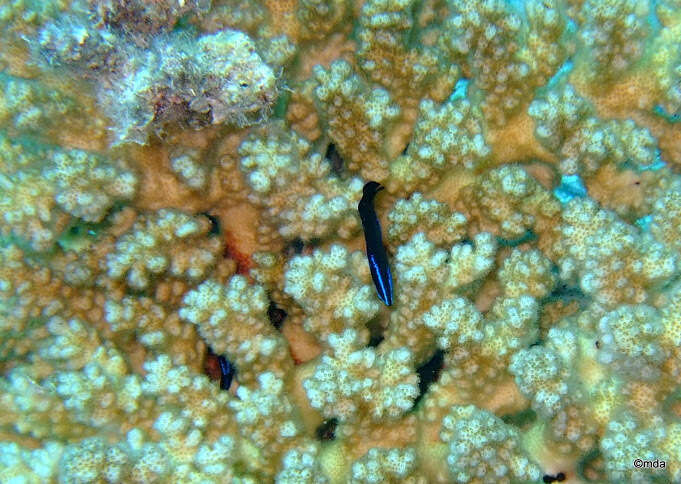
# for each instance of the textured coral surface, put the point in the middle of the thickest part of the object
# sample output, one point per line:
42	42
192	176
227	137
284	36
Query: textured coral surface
179	182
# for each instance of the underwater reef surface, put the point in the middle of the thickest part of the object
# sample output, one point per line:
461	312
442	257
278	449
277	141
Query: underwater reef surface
185	294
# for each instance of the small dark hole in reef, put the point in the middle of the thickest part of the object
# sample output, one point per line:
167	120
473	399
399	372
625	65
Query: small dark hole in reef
276	315
376	331
404	151
375	340
598	344
528	236
557	478
294	247
214	223
327	430
428	373
590	468
243	84
335	159
565	293
522	419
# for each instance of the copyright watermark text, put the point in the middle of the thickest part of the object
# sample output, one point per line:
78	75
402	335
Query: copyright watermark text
650	464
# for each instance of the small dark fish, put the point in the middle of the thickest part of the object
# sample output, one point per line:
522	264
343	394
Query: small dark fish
227	372
376	254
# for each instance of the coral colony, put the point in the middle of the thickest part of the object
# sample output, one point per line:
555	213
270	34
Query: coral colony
188	293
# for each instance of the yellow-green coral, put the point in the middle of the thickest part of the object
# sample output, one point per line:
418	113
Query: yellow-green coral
626	441
356	117
319	17
151	248
290	184
417	214
629	339
386	465
45	187
227	316
332	288
507	201
613	33
29	106
267	418
390	55
358	387
424	276
484	449
488	39
528	273
155	326
567	125
612	261
445	136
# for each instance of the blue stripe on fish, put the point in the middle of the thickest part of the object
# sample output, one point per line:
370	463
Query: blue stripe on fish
376	253
227	372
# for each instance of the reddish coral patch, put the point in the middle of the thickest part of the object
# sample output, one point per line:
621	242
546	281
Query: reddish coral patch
244	263
211	367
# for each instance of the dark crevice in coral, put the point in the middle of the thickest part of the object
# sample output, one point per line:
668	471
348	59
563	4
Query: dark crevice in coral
520	419
276	315
86	230
590	467
376	331
335	160
141	292
565	293
326	431
299	246
557	478
528	236
294	247
183	24
375	340
428	373
669	117
214	223
76	230
79	232
281	105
